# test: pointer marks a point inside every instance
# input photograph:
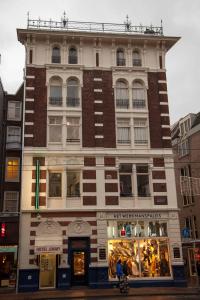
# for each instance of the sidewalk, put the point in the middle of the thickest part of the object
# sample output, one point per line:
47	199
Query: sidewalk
106	293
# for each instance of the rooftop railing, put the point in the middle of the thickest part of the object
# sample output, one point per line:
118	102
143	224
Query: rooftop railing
66	25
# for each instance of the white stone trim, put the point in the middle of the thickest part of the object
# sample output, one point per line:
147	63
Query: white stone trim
30	76
30	88
98	113
166	137
29	111
99	136
165	126
30	99
28	135
163	92
98	101
162	81
98	90
159	181
29	123
164	115
163	103
97	79
98	124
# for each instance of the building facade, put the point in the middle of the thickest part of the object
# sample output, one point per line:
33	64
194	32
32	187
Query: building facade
98	180
11	150
186	145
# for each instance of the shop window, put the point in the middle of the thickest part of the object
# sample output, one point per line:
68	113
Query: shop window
55	129
125	177
73	129
73	184
12	169
142	180
14	111
144	257
123	131
55	184
11	201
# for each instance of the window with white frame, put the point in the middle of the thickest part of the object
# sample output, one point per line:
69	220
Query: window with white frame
122	94
73	88
72	58
56	55
121	61
73	183
190	224
139	95
142	172
183	148
55	184
187	195
55	129
13	137
11	199
12	169
73	129
14	111
137	58
126	180
123	131
55	91
140	131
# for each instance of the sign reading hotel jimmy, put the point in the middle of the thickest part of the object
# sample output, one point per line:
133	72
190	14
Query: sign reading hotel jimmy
132	215
51	249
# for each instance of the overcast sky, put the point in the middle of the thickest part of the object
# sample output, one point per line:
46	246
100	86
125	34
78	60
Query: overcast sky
180	18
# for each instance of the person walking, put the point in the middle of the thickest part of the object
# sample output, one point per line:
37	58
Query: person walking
119	270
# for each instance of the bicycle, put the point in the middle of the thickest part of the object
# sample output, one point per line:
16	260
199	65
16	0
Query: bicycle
123	285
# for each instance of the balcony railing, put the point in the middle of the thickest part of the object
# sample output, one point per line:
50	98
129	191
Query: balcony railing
122	103
57	101
73	102
66	25
126	194
121	62
73	140
139	103
137	62
72	60
55	59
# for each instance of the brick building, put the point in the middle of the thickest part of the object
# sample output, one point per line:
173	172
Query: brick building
10	184
186	145
98	180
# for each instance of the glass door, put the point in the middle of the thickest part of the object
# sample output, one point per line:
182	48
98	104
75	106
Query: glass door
47	270
78	267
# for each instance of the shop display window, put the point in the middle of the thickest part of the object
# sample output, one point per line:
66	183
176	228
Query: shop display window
143	258
117	229
8	262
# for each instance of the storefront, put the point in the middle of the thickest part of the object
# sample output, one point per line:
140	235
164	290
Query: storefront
8	266
191	256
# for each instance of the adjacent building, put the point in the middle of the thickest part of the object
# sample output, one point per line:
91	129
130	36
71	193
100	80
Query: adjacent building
10	184
98	178
186	146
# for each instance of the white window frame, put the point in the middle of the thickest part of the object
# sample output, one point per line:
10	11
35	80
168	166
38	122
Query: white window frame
17	178
138	87
75	125
61	187
124	123
55	125
6	193
10	116
143	126
80	183
10	141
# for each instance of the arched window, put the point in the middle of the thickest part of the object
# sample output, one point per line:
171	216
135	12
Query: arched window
55	91
139	95
72	58
73	92
120	57
137	58
122	97
56	55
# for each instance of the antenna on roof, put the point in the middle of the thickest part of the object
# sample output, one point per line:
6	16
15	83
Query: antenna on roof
127	24
64	20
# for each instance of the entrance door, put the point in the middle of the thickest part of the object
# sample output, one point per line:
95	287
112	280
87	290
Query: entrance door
47	270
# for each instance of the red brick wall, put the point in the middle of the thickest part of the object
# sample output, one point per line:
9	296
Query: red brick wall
89	107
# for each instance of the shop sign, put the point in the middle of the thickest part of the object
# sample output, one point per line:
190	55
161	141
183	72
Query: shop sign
44	249
8	249
132	215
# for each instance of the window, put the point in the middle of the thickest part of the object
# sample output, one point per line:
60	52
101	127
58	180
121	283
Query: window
185	127
12	169
123	131
183	148
13	137
56	55
31	56
55	91
11	201
73	129
140	131
73	93
73	184
142	180
14	111
136	58
72	59
55	129
125	177
188	225
139	95
120	58
55	184
122	97
97	59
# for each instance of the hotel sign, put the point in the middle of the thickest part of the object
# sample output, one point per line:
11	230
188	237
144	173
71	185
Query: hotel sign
132	215
48	249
